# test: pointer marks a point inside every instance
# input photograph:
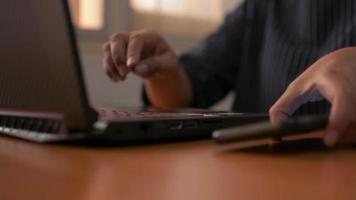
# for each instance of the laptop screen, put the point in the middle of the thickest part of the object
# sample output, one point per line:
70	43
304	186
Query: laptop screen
39	65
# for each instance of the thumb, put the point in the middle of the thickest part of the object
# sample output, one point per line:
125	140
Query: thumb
152	65
340	118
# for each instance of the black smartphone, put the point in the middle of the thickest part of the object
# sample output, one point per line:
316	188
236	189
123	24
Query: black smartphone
261	130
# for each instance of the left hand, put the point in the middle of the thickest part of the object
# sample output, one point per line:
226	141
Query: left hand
334	78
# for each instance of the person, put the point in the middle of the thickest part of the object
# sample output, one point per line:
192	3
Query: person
284	57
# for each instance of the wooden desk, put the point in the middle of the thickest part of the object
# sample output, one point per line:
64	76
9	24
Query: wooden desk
184	171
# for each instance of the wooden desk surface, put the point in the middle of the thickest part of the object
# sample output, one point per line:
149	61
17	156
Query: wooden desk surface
188	170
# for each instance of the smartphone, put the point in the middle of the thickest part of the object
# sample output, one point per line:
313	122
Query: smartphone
262	130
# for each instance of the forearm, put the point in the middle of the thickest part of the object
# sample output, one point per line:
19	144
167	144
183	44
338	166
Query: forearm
171	90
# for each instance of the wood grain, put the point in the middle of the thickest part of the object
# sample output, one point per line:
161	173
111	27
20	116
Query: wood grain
298	169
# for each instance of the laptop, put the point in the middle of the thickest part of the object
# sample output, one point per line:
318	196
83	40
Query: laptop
42	89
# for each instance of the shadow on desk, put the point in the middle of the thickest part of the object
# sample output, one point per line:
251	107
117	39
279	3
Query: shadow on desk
287	147
110	144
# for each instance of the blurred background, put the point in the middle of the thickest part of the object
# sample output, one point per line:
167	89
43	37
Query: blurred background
183	23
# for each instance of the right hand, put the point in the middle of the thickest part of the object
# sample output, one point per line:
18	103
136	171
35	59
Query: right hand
143	52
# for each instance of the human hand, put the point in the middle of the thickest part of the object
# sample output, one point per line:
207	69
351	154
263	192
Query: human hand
143	52
334	78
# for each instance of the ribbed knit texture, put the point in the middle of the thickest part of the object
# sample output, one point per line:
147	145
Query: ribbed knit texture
263	46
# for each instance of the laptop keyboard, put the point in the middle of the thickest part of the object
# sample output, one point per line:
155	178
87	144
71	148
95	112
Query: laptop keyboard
112	114
30	124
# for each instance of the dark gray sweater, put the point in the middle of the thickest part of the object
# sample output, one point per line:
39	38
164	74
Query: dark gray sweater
263	46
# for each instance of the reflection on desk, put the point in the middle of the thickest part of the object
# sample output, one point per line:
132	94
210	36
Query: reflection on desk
186	170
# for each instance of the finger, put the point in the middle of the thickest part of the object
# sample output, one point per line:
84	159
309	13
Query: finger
118	45
349	136
341	115
134	50
105	63
121	70
340	118
151	65
109	65
110	75
118	48
293	97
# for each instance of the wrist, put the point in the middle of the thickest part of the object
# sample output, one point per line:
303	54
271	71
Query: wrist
171	89
171	75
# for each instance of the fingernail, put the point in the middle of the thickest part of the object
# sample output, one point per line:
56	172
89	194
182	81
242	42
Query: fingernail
125	70
122	71
130	61
330	138
117	78
114	79
142	69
